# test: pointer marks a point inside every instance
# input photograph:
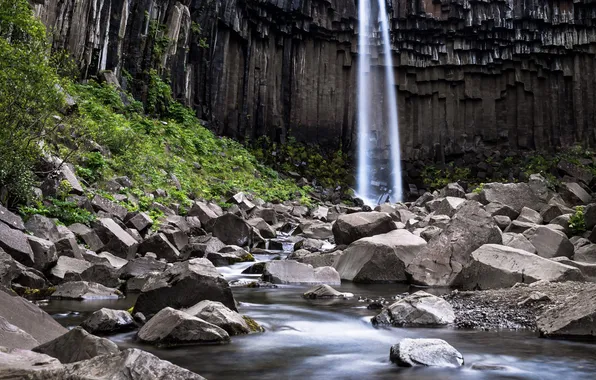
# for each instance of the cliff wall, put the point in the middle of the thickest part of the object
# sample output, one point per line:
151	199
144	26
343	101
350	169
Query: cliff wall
471	74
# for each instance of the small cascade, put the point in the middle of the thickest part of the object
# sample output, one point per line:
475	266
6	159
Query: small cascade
375	182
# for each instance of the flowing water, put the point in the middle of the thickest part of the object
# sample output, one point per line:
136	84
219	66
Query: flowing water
334	339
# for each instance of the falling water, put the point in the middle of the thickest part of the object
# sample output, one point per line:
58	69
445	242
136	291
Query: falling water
392	107
364	180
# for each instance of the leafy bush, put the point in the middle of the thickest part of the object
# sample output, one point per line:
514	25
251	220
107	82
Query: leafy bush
577	222
65	211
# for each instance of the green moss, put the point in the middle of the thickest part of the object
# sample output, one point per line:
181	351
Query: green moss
253	325
32	293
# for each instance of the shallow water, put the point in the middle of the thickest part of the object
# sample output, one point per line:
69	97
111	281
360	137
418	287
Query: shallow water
313	339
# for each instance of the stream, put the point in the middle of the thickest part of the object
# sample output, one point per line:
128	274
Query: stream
334	339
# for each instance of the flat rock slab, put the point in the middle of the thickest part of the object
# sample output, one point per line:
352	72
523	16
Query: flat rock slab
574	318
83	290
293	272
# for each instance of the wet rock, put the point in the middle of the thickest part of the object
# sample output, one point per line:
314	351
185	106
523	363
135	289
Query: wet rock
425	352
77	345
229	255
325	291
418	309
310	245
83	290
161	246
108	321
170	328
232	230
183	285
256	268
440	261
380	258
549	243
218	314
495	266
293	272
351	227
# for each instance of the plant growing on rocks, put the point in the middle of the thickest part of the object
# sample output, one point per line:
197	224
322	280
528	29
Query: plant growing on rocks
577	222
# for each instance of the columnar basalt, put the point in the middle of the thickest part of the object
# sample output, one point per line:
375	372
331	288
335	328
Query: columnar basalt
470	73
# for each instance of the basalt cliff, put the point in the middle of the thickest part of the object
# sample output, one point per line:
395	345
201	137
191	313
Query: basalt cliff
471	74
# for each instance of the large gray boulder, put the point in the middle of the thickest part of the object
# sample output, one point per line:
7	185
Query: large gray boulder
11	219
183	285
83	290
351	227
77	345
514	195
418	309
141	266
13	337
105	275
161	246
206	214
448	206
170	328
218	314
445	255
29	318
325	291
574	194
19	364
130	364
574	317
87	235
44	252
549	242
115	239
100	203
108	321
265	230
66	265
233	230
380	258
293	272
15	243
518	241
425	352
495	266
43	227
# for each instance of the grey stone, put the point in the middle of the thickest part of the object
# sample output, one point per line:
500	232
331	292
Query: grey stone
108	321
206	215
293	272
518	241
160	245
87	235
15	243
43	227
218	314
100	203
502	221
11	219
263	227
140	222
549	243
530	216
232	230
574	194
417	309
351	227
115	239
77	345
44	252
425	352
141	266
83	290
449	206
13	337
325	291
514	195
574	317
66	265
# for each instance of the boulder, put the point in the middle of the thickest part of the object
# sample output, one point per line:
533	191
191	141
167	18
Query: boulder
586	253
68	246
499	209
161	246
380	258
311	245
551	211
453	190
77	345
589	216
11	219
440	261
263	227
314	230
514	195
418	309
530	216
66	265
588	270
87	235
98	273
318	259
114	261
44	252
175	235
200	246
83	290
519	227
29	318
100	203
320	213
495	266
218	314
13	337
233	230
170	328
15	243
448	206
108	321
24	364
574	195
183	285
574	317
141	266
518	241
549	243
206	215
140	222
325	291
502	221
43	227
115	239
130	364
293	272
351	227
425	352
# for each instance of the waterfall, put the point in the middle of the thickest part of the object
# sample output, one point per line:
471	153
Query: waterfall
389	119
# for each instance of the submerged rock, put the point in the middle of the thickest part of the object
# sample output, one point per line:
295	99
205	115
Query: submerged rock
425	352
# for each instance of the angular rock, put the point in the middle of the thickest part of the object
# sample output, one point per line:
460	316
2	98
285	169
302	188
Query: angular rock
43	227
586	254
502	221
67	246
44	252
381	258
518	241
417	309
325	259
183	285
218	314
175	235
264	229
449	206
11	219
315	230
529	216
77	345
518	227
100	203
206	215
440	261
229	256
232	230
83	290
425	352
453	190
549	243
24	364
514	195
551	211
576	171
325	291
170	328
87	235
574	194
575	317
588	270
98	273
351	227
311	245
66	265
140	222
114	261
115	239
13	337
160	245
108	321
15	243
293	272
495	209
497	266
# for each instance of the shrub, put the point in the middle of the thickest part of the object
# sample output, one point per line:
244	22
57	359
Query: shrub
577	222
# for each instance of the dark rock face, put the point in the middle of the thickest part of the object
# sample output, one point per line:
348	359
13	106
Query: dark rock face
469	74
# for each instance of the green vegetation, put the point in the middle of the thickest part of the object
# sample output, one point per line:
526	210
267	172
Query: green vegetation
437	178
577	222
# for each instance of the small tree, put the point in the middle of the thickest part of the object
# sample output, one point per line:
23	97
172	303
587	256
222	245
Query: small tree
29	95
